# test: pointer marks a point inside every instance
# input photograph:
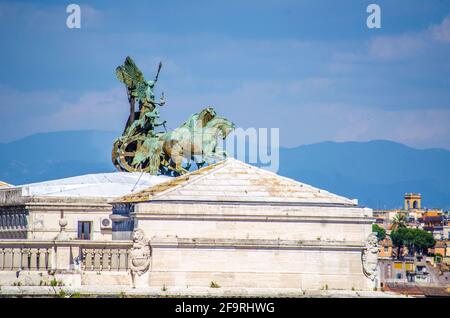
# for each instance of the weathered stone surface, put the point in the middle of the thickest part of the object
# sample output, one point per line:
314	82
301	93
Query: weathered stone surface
243	227
124	291
233	180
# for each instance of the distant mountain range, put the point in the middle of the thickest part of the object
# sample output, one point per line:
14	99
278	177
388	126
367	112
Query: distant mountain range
377	173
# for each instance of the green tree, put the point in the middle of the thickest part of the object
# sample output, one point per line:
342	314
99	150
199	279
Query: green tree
416	240
381	233
399	221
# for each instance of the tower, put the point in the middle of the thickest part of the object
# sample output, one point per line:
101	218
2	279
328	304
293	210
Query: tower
412	201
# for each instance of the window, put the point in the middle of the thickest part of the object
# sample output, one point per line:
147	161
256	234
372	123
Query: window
84	230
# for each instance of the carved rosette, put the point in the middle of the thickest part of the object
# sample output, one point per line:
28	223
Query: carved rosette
370	257
140	253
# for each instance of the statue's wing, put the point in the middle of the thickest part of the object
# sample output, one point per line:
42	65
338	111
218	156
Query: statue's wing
133	70
130	74
123	76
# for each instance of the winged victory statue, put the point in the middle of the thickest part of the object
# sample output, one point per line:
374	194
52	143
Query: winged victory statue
147	146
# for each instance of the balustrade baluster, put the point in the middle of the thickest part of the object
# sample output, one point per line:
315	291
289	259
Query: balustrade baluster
97	259
8	260
17	254
42	258
106	265
33	259
2	258
48	258
88	260
123	260
115	259
24	253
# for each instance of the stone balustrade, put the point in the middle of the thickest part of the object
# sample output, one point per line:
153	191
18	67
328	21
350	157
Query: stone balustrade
27	255
104	257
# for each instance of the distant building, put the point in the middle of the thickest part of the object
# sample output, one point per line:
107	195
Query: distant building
415	214
386	248
441	248
412	201
433	222
446	231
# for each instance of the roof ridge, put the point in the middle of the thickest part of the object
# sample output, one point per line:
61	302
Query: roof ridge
188	180
199	176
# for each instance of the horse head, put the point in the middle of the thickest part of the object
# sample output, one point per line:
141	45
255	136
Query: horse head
206	115
222	125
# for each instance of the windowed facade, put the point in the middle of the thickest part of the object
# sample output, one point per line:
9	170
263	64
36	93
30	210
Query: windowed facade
84	230
13	224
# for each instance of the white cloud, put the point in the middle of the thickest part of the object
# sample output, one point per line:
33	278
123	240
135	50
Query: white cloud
43	111
289	106
396	47
310	90
303	119
441	32
407	45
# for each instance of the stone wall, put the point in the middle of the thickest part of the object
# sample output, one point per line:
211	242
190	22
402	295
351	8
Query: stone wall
256	264
252	221
38	218
308	247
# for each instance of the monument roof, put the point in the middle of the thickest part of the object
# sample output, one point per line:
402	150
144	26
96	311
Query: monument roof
4	184
235	181
106	185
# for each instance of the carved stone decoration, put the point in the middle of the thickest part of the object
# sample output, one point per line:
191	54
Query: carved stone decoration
139	255
370	257
62	235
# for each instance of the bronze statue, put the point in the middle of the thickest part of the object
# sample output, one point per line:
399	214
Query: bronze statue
142	148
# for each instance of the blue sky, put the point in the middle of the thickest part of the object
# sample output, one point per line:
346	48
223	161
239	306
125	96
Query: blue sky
311	68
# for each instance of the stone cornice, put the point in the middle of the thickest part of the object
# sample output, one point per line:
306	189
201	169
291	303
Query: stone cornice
253	203
17	200
57	206
260	218
174	242
87	243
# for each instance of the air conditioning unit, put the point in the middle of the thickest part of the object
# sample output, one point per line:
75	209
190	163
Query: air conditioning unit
105	223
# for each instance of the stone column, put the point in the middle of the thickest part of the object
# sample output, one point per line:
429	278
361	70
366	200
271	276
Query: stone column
63	258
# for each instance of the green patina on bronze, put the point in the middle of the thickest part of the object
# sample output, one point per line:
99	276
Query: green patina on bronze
143	148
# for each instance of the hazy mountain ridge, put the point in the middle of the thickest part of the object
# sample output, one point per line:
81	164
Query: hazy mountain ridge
377	173
55	155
